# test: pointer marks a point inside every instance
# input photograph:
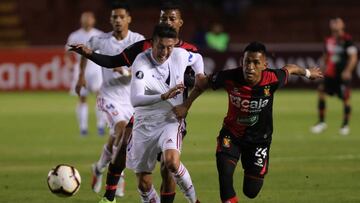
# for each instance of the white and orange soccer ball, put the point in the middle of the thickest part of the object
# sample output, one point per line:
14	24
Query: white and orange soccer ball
64	180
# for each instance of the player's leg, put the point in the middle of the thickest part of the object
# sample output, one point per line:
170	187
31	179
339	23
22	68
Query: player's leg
116	126
180	173
320	126
227	156
146	188
170	142
345	95
99	166
168	185
141	156
82	112
255	161
115	182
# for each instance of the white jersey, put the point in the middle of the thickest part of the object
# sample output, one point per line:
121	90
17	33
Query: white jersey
150	80
114	84
92	70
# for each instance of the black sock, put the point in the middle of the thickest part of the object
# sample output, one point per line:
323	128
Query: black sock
112	180
167	197
321	109
347	111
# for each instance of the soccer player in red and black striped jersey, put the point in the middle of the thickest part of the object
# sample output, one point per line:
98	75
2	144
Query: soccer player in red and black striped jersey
340	60
248	126
170	14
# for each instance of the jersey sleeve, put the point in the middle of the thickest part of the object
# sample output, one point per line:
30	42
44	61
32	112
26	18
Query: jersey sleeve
217	80
138	85
351	48
127	57
195	60
282	75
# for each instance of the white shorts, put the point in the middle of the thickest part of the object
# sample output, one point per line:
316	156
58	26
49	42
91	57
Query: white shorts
93	77
149	137
114	111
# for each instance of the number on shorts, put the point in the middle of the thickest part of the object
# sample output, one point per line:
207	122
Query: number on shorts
261	152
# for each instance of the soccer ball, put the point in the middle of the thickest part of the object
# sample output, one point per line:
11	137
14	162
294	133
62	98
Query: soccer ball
64	180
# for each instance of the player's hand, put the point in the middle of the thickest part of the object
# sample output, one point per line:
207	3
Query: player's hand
315	73
346	75
80	49
80	83
178	89
122	71
180	111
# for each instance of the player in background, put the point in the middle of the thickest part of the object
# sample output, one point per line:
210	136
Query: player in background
340	58
156	87
114	95
170	14
248	126
92	74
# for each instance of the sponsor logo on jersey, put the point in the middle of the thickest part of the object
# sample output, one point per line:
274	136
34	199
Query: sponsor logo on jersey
248	105
248	121
226	142
139	74
267	91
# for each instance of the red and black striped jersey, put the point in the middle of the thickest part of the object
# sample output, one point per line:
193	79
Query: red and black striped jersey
249	115
337	53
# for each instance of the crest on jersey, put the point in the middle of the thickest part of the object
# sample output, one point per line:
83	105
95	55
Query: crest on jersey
267	91
139	75
226	142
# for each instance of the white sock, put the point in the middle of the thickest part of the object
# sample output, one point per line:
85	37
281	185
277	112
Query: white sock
100	118
183	180
149	197
104	160
82	115
121	182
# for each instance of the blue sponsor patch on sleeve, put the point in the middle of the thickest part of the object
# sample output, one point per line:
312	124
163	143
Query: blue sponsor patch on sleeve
190	57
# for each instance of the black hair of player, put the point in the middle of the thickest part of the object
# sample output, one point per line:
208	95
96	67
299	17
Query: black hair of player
164	31
256	47
120	5
170	5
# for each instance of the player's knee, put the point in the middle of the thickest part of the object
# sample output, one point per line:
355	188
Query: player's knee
172	165
172	160
144	184
252	186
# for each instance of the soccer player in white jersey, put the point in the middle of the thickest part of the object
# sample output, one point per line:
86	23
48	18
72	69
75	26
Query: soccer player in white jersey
92	74
156	87
114	95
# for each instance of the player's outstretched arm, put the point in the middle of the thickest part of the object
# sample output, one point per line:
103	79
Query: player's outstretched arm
312	73
100	59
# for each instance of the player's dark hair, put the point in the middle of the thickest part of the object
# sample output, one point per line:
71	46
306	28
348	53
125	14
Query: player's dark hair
120	5
255	47
164	31
170	5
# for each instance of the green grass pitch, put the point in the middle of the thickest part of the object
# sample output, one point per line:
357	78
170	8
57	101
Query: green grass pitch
39	131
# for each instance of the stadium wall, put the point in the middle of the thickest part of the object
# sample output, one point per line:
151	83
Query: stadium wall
44	68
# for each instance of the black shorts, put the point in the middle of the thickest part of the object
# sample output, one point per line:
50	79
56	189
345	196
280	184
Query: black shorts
337	87
254	156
